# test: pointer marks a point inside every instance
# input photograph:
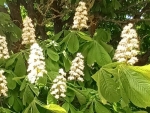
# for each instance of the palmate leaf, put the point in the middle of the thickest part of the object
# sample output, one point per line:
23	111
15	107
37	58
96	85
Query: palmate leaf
107	87
71	42
98	53
136	86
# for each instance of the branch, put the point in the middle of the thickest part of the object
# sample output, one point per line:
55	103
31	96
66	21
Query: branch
145	9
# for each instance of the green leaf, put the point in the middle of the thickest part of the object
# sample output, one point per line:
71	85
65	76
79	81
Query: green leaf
99	108
57	36
145	70
81	98
90	110
23	85
91	54
135	86
20	68
51	65
10	82
84	36
67	63
102	35
50	99
27	96
42	80
73	43
5	110
55	108
72	109
34	108
107	87
107	47
53	55
17	105
2	2
11	100
11	60
66	106
34	89
116	4
97	53
140	112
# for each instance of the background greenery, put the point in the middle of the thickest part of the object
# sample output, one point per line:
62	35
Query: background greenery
108	87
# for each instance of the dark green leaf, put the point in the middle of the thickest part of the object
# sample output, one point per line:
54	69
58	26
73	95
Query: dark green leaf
11	100
73	43
27	96
10	82
20	68
116	4
17	105
11	60
102	35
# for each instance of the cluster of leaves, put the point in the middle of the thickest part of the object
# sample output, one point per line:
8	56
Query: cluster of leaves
107	87
116	86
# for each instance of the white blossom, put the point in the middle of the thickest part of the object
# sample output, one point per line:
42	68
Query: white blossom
3	48
76	69
28	32
58	88
128	47
80	18
36	67
3	84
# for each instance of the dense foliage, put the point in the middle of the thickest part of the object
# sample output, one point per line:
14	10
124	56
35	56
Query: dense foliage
78	61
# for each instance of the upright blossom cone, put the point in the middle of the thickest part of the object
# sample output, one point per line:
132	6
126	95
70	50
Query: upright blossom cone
128	47
76	70
3	84
80	18
36	67
3	48
28	32
58	88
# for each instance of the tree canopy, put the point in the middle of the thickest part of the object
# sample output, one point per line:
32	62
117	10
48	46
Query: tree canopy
77	51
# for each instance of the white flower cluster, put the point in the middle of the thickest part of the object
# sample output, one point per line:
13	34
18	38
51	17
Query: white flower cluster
3	84
80	18
128	47
76	70
28	35
36	63
58	88
3	48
